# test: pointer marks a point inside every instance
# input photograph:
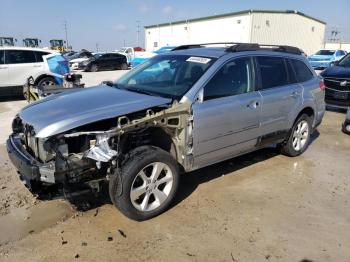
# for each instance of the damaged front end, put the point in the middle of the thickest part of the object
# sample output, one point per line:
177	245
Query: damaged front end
94	151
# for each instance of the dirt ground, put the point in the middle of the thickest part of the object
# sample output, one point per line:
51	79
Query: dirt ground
258	207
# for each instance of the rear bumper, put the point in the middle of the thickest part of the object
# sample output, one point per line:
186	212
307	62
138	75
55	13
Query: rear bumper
320	64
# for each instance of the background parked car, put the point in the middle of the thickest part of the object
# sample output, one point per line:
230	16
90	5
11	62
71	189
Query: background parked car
17	64
337	81
147	55
130	52
77	58
324	58
107	61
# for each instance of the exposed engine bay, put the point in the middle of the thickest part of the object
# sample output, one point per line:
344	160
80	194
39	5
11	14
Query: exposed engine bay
94	151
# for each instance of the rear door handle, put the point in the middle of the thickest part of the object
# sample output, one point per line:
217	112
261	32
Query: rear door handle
253	104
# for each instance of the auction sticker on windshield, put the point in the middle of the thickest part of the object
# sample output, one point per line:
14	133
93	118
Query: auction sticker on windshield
197	59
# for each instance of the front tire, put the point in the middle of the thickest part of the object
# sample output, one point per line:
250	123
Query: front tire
299	137
94	68
146	184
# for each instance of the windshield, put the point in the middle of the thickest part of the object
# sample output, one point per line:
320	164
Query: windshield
166	75
325	52
97	55
122	50
345	62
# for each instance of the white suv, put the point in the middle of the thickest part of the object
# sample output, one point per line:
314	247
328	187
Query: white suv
17	64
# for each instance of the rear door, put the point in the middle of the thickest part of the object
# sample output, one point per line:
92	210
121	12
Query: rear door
4	70
281	94
226	122
22	64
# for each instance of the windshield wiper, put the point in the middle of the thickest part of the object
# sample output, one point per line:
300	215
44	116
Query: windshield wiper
141	91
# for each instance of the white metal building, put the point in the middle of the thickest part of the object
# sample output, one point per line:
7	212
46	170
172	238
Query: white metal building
250	26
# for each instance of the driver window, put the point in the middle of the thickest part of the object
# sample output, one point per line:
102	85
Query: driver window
233	78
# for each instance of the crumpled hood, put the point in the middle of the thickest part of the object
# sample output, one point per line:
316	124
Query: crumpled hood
321	58
74	108
337	72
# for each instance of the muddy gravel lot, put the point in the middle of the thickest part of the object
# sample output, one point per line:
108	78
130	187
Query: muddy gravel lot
259	207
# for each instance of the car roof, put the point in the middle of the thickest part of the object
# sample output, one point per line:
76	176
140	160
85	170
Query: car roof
27	48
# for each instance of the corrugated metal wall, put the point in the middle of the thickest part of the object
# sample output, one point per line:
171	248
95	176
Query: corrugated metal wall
263	28
225	29
343	46
287	29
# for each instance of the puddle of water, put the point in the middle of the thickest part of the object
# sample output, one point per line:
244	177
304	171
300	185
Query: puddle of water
22	222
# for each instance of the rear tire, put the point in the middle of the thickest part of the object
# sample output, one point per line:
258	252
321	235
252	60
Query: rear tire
123	66
146	184
47	81
299	137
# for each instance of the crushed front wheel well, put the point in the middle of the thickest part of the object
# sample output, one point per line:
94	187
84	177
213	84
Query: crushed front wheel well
153	136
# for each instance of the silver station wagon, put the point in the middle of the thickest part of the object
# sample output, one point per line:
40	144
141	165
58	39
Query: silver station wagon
177	112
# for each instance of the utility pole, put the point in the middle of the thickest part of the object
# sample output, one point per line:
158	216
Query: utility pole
66	31
138	32
97	47
334	35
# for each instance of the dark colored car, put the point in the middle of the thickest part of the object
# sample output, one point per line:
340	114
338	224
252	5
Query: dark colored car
337	81
107	61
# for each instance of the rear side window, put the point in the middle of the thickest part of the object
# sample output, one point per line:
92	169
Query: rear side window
273	71
39	56
20	57
302	72
2	57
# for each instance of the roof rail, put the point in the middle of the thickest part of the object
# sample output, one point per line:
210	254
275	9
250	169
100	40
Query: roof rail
183	47
240	47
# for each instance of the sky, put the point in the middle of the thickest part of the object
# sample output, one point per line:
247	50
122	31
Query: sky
111	23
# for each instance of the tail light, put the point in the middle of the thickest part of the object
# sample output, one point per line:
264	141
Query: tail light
322	85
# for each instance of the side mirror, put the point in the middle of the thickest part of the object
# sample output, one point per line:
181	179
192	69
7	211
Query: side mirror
107	83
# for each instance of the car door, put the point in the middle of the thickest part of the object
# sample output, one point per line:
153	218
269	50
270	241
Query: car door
226	121
281	95
102	61
4	70
22	64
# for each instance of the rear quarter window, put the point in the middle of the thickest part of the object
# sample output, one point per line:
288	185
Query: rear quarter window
39	56
273	71
302	72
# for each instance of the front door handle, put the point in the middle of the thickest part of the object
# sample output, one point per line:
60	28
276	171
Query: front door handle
253	104
295	94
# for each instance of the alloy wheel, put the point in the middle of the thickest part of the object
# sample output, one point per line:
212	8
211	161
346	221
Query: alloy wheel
300	135
151	186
